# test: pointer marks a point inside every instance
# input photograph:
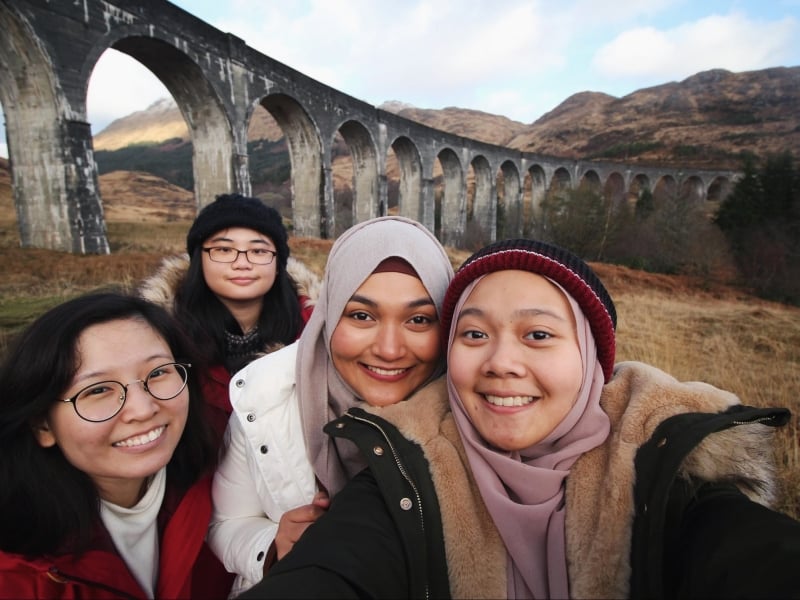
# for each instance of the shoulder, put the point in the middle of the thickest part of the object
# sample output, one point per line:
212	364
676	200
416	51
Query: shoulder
265	381
161	287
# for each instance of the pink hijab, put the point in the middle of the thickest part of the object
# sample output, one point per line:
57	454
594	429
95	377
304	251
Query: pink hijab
524	491
322	394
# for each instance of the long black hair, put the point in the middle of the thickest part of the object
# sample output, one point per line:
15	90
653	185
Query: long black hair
206	318
46	504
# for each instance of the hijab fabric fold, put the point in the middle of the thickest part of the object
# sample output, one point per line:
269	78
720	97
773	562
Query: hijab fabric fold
524	491
322	394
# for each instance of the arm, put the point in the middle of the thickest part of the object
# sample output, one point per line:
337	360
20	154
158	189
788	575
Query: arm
729	546
353	551
240	532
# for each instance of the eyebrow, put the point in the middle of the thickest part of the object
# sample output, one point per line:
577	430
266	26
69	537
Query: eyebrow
525	312
253	241
96	374
370	302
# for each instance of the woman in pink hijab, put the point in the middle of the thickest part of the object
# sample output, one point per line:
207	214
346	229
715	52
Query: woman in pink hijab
537	468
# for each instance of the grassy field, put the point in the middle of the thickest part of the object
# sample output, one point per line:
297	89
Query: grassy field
692	329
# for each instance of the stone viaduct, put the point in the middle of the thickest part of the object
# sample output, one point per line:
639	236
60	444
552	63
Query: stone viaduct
48	51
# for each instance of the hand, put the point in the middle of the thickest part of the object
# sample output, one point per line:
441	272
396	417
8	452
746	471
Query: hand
294	522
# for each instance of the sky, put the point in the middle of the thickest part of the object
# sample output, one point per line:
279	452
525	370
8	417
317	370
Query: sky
516	58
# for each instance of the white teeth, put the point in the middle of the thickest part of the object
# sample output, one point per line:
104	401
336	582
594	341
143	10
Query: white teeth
141	439
386	372
509	400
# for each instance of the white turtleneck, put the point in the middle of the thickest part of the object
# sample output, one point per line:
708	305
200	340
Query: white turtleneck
135	532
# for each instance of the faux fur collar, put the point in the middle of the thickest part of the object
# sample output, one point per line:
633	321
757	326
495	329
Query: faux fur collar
600	508
163	284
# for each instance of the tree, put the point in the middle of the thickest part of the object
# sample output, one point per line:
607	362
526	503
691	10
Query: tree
761	221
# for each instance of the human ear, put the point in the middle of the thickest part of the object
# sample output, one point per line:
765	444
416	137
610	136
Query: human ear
43	434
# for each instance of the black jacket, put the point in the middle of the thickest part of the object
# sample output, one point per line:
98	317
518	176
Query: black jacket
383	534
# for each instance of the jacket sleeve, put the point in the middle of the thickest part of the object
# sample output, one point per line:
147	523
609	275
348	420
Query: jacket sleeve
240	532
729	546
353	551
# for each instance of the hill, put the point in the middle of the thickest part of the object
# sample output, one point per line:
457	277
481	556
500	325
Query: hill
705	121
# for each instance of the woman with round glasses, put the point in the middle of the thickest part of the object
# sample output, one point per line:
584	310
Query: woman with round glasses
239	294
106	458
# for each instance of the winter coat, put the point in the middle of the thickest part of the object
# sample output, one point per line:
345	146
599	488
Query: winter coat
265	470
161	289
187	567
672	504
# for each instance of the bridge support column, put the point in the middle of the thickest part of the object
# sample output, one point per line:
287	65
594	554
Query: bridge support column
55	187
428	209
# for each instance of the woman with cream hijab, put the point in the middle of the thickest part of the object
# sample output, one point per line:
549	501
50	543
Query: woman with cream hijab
372	340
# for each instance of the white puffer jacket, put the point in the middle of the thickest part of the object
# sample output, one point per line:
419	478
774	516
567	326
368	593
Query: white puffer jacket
264	471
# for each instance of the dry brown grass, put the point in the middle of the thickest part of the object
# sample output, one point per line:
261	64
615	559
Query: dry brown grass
721	335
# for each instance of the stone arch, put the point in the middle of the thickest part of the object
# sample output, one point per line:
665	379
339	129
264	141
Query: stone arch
590	180
365	170
665	190
614	188
216	167
310	215
479	203
508	223
692	189
410	166
54	191
561	181
535	189
718	189
449	208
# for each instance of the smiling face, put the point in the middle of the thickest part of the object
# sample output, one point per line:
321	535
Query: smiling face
515	359
386	343
118	454
239	283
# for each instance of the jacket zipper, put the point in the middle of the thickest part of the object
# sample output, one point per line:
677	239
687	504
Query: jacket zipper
403	472
767	419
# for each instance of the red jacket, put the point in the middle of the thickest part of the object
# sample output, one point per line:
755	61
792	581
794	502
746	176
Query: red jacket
187	567
215	384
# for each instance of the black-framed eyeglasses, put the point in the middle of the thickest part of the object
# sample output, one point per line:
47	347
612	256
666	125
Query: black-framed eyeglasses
102	401
256	256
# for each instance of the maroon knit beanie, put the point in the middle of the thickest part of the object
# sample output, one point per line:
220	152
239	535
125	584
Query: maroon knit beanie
555	263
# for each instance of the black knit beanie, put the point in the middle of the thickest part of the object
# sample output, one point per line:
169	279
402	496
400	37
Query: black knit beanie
555	263
235	210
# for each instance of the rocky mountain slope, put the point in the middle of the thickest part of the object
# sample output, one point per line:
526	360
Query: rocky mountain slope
706	120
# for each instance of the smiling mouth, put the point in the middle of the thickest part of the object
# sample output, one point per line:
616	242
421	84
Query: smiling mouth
509	400
140	440
385	372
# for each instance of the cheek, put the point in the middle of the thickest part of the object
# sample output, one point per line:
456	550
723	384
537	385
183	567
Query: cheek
427	347
462	371
345	344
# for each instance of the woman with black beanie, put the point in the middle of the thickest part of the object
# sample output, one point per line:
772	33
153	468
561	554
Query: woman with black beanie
238	293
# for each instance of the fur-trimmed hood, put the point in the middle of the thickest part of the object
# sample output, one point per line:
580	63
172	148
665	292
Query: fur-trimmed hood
600	487
162	286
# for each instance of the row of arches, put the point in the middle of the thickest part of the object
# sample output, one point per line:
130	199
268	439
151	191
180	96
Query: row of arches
447	182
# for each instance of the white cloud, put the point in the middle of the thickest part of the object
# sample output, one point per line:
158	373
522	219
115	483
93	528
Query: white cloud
3	150
731	42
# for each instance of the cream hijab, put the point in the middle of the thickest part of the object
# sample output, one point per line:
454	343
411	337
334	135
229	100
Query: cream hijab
322	394
524	490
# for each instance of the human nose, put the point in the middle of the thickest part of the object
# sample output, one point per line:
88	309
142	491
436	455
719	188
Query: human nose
139	403
503	360
389	341
241	261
